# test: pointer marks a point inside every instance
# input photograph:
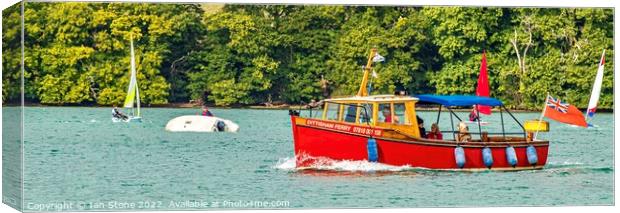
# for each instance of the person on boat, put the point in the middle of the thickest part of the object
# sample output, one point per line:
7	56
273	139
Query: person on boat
463	135
435	133
118	114
206	112
421	126
387	113
473	115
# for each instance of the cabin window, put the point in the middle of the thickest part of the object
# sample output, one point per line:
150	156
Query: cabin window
365	115
333	111
317	113
385	113
350	113
400	114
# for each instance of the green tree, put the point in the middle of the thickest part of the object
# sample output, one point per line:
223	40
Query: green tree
78	53
11	53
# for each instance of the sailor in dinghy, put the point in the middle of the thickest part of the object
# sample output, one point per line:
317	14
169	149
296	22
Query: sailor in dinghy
474	117
118	115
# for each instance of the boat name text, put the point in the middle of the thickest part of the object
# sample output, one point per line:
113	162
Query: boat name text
344	127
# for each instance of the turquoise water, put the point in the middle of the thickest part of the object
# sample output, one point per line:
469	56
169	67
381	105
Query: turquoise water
77	159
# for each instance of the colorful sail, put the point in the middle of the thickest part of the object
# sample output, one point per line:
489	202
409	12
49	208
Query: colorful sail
482	88
132	90
596	89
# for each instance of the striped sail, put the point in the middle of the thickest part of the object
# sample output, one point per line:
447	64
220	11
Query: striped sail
132	90
596	89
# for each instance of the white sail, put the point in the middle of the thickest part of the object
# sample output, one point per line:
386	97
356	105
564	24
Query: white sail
596	89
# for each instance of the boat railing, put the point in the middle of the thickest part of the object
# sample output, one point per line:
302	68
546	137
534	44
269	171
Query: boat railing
482	135
480	132
488	133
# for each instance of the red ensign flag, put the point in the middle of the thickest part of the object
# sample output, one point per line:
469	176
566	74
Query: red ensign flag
563	112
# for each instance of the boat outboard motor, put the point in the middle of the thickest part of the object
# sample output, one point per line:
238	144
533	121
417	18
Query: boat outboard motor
221	126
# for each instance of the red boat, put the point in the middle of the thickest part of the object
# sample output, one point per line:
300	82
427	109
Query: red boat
384	129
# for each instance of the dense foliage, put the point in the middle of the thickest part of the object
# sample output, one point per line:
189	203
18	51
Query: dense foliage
78	53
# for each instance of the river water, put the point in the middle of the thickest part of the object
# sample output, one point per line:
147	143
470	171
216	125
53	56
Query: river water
77	159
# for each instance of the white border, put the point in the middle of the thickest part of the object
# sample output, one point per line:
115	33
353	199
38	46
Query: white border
521	3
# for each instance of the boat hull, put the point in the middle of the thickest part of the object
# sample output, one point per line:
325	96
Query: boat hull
130	119
314	142
199	123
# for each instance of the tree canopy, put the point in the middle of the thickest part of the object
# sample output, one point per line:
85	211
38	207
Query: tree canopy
78	53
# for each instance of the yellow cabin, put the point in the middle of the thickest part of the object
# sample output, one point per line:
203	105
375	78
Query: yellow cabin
393	112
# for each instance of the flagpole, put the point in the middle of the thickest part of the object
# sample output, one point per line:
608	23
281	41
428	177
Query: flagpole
364	85
541	116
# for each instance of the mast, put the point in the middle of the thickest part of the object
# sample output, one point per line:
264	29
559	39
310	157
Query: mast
363	90
138	98
135	78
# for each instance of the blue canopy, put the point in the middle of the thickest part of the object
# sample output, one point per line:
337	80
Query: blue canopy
459	100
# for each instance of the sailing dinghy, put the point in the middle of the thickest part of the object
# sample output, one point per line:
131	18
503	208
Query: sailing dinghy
132	100
482	89
596	91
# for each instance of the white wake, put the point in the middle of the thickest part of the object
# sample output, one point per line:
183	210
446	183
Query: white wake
288	164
